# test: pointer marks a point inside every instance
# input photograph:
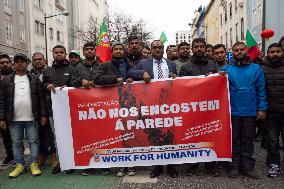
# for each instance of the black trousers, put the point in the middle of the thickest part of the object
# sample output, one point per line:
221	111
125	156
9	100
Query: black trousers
5	133
243	133
46	140
275	128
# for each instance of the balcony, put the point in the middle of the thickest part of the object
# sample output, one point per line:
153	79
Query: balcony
60	4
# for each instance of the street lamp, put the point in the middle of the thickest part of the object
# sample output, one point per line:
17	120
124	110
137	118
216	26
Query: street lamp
45	28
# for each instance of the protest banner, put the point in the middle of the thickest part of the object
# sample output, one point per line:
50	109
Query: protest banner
174	121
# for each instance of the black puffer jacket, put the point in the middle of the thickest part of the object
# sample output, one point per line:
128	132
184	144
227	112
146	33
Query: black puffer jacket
7	97
133	59
198	66
60	74
107	73
83	71
274	78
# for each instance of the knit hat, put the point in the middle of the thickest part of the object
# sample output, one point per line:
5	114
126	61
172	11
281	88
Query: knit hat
115	44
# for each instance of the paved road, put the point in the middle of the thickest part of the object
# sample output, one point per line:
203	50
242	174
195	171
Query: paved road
47	180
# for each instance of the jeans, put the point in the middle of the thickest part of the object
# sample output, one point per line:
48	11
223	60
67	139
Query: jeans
275	127
243	133
46	140
17	130
5	133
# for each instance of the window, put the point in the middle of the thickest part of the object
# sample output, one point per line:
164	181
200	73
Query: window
58	36
37	27
236	5
41	28
226	16
221	39
237	32
22	34
231	10
242	29
37	3
231	37
8	3
221	20
50	33
21	5
9	31
226	34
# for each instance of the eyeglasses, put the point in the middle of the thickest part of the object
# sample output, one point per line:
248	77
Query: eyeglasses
157	47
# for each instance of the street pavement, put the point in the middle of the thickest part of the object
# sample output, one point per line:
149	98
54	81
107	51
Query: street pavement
141	180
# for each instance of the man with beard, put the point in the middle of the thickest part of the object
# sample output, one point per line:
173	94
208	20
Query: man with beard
248	103
172	52
46	136
134	53
4	71
219	55
274	75
58	75
83	77
209	52
115	72
85	71
183	54
199	64
156	68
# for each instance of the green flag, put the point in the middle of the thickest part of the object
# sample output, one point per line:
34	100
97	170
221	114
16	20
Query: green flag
163	38
251	42
252	48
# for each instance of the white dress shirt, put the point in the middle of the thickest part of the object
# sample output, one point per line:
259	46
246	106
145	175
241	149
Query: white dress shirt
164	67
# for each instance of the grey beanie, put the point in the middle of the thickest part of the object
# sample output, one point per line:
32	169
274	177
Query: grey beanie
117	43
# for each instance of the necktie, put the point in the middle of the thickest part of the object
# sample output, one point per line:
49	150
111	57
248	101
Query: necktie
160	71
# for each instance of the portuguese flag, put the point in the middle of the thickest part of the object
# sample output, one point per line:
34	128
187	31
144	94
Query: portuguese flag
103	44
163	38
252	48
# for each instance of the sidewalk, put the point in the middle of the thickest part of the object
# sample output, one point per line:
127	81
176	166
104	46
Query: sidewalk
76	181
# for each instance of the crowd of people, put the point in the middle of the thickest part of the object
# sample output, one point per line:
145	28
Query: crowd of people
256	95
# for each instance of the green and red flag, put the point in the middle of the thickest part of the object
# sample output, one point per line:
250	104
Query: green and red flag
252	48
163	38
103	45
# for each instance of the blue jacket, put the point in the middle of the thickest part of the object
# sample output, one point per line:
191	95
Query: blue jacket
247	89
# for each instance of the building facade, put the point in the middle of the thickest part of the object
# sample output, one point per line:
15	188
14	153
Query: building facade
81	13
14	33
273	19
183	36
212	22
232	21
56	26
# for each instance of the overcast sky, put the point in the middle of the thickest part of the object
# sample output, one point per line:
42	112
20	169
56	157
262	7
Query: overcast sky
160	15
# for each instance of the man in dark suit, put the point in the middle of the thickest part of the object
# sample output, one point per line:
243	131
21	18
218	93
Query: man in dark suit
156	68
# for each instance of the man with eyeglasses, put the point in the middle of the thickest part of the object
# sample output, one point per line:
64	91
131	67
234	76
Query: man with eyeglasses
4	71
157	67
46	136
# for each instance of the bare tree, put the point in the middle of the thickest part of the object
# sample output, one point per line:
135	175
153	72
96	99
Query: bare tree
87	32
121	26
